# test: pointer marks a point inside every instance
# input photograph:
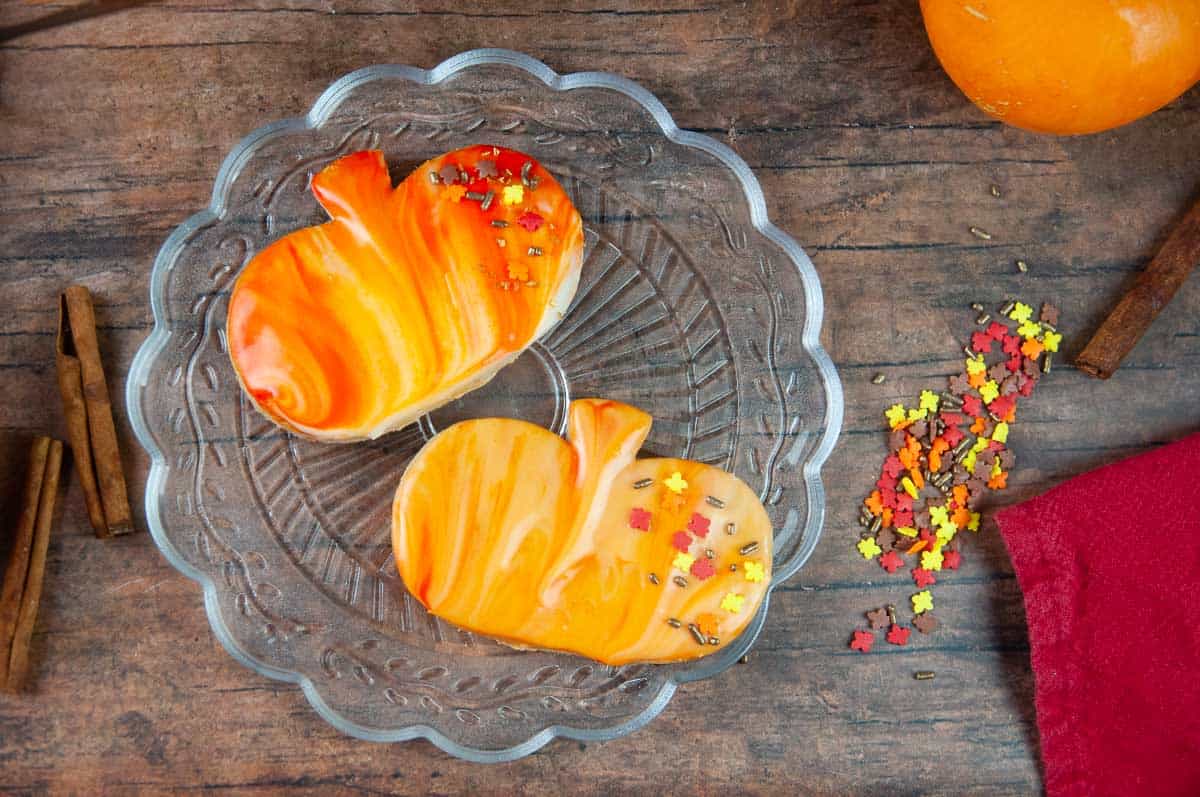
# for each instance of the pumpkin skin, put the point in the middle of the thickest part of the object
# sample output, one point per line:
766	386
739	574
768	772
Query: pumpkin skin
406	298
1067	66
502	527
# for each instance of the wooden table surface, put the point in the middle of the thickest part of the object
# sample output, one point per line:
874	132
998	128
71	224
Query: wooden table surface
111	130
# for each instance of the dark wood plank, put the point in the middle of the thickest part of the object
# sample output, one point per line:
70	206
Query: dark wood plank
113	128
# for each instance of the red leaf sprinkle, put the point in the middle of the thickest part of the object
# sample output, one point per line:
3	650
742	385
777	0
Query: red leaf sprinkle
530	221
898	635
639	519
682	541
698	525
923	578
703	568
890	561
862	641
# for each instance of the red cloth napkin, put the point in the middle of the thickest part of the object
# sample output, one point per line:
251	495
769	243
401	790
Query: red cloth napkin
1109	564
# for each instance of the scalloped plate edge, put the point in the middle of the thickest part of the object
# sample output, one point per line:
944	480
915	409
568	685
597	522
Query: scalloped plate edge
320	111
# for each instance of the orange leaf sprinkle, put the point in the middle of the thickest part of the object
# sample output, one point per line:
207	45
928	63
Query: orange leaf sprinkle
918	546
961	517
874	503
978	426
999	481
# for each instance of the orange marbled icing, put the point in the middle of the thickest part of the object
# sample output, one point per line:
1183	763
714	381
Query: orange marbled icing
502	527
407	298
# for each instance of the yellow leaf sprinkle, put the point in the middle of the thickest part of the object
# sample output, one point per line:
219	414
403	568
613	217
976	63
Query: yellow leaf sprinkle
732	602
1029	329
1051	341
929	400
930	560
753	570
868	548
895	415
1021	312
683	561
989	391
675	482
1000	433
922	601
909	487
512	194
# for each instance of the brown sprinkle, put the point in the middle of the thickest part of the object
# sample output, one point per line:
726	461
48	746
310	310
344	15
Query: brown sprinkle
531	284
995	189
474	196
751	547
500	242
709	553
878	379
731	528
876	524
978	233
642	483
1022	266
712	640
1046	363
733	568
924	675
671	621
1008	307
680	581
714	501
977	307
983	319
534	251
433	178
654	579
499	223
696	634
487	200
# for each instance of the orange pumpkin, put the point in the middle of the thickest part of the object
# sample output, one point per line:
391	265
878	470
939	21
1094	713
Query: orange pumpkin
1067	66
501	527
408	297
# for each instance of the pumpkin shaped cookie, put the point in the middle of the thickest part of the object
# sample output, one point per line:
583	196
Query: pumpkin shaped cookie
504	528
409	296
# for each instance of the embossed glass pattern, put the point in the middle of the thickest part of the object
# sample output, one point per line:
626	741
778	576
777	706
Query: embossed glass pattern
691	306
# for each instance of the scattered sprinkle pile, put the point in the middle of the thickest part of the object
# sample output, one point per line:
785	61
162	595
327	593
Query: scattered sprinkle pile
945	454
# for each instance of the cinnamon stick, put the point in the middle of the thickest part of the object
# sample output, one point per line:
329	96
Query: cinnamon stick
1135	311
70	385
105	455
18	563
18	659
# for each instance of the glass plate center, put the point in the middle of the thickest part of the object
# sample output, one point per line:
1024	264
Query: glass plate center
532	388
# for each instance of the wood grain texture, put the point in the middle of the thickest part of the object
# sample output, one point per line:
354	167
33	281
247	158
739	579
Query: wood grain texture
113	129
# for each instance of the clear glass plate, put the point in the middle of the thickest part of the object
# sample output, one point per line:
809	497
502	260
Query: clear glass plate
692	306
